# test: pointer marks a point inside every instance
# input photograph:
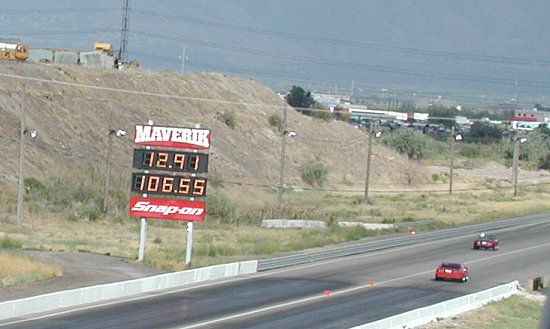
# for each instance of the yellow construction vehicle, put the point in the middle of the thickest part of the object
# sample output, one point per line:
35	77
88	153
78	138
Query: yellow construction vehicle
103	46
14	51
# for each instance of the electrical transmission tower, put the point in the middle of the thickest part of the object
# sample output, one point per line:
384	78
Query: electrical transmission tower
123	52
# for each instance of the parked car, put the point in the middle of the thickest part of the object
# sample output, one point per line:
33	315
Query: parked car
487	242
452	272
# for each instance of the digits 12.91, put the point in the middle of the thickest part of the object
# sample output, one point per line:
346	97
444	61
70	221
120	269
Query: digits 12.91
149	159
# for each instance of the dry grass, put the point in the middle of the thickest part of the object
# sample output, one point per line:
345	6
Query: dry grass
516	312
215	243
17	268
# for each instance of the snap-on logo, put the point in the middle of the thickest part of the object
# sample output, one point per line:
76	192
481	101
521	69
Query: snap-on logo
167	208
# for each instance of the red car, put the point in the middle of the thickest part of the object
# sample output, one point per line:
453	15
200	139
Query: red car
452	271
487	242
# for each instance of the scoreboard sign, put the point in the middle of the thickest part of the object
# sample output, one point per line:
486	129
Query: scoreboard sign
170	172
167	208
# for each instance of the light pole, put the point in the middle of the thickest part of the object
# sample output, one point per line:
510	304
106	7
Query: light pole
286	133
369	153
282	162
451	157
515	161
117	133
20	180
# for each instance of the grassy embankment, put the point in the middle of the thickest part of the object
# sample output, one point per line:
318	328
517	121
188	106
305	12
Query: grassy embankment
221	239
516	312
17	268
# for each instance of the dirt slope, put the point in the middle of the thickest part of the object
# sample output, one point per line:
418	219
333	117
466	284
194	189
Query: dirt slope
73	108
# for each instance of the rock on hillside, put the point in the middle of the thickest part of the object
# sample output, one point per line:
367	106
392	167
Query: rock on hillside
73	108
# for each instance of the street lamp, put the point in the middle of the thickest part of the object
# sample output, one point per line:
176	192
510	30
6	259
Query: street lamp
451	156
117	133
515	162
20	180
285	134
369	152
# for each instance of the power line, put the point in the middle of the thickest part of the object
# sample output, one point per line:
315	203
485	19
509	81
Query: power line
42	11
343	42
366	67
328	83
135	92
58	32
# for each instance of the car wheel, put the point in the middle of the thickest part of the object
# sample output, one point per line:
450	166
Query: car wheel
437	278
476	247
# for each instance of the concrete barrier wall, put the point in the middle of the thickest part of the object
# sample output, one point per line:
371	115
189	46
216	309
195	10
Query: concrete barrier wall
444	309
94	294
293	223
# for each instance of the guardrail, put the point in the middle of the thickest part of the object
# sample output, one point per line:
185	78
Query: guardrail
369	246
75	297
424	315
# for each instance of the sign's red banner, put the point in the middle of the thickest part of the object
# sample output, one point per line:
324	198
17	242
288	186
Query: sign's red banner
167	209
193	138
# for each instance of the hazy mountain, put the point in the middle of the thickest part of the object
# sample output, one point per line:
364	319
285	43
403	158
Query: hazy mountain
477	52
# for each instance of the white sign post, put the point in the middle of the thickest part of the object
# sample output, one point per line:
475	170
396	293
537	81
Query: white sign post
189	247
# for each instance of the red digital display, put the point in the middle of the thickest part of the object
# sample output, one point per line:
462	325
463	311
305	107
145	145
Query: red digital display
146	183
170	160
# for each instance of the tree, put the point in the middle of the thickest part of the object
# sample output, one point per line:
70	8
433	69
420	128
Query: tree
485	132
442	115
410	142
298	97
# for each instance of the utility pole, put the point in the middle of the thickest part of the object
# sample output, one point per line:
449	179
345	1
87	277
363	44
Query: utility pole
515	165
107	172
111	133
367	176
451	161
20	180
282	162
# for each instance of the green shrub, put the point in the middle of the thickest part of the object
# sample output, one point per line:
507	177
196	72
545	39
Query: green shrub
228	118
33	184
276	121
323	115
314	172
470	151
7	242
221	208
92	214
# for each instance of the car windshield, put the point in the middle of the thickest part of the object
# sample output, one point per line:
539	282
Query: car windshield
451	265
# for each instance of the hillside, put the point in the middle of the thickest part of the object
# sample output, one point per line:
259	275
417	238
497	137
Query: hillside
73	109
